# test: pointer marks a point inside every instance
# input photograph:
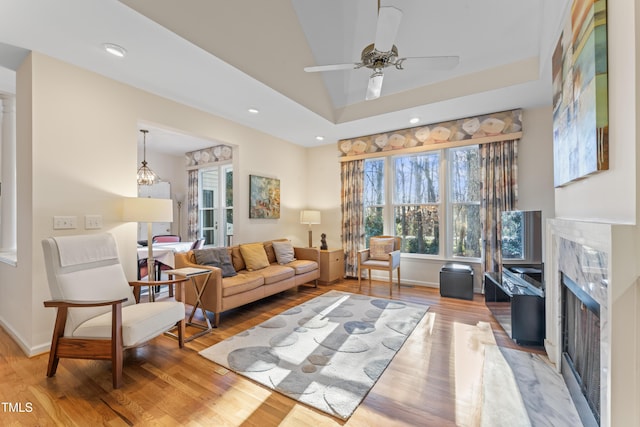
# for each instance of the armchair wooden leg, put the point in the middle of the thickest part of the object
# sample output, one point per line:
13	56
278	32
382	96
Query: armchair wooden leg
359	278
216	319
390	282
117	349
58	331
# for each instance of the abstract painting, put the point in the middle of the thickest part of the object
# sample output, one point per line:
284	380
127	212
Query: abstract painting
580	90
264	197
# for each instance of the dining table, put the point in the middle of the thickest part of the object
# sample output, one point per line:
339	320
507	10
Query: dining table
164	252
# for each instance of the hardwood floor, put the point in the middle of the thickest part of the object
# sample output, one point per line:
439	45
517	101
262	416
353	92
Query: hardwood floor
164	385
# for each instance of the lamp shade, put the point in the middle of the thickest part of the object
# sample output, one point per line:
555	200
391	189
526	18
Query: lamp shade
144	209
309	217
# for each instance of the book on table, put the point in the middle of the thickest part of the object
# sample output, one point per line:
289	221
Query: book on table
187	271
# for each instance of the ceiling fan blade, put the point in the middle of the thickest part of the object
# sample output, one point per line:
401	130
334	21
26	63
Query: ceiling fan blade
389	19
375	86
334	67
435	62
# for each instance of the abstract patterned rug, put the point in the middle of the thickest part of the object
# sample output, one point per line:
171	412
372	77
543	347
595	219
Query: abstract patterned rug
327	352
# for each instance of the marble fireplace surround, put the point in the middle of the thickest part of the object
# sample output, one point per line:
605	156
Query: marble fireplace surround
582	251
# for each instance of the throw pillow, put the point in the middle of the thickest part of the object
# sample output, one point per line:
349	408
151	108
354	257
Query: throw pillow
254	256
284	252
379	248
216	257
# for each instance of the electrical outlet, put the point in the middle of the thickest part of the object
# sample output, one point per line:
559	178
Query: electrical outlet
92	222
65	222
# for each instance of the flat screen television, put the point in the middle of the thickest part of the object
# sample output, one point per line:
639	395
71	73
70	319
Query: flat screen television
521	235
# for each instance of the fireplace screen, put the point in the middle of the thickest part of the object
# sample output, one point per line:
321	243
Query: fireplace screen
581	341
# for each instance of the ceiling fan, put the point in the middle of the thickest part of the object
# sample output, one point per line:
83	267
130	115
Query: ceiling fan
383	53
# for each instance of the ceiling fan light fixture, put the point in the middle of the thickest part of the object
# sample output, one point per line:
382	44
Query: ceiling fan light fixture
145	175
375	85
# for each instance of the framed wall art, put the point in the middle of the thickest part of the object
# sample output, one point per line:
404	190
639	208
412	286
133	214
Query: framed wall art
264	197
580	92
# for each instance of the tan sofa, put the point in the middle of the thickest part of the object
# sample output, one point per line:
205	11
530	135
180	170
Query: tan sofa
224	293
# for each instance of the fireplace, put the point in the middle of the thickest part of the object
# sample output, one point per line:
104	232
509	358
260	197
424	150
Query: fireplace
581	348
578	258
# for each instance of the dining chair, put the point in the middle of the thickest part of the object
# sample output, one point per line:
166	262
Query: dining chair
383	254
166	238
97	315
198	244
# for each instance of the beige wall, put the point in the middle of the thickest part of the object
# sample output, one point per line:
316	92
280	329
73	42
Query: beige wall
77	155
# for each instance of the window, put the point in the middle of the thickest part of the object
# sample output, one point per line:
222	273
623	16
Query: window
416	202
464	197
216	205
433	200
374	198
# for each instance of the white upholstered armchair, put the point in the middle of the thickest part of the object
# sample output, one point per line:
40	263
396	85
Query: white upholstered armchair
383	254
98	317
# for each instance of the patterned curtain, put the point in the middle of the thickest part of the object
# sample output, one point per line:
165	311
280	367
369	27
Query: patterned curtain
499	174
192	205
352	177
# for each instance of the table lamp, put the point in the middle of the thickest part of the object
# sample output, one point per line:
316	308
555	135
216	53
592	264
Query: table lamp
143	209
310	217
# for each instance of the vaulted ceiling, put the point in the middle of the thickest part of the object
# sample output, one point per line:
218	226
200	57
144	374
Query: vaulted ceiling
227	56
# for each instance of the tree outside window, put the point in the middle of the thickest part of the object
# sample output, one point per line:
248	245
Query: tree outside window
416	201
374	198
464	197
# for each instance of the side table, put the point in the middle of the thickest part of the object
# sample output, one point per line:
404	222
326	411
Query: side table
192	273
331	266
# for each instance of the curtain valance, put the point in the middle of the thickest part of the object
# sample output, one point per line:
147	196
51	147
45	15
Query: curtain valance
494	127
208	156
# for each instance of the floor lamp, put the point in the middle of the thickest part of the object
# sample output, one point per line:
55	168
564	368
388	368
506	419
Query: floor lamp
310	217
143	209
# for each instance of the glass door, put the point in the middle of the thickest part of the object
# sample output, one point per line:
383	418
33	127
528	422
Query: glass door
216	205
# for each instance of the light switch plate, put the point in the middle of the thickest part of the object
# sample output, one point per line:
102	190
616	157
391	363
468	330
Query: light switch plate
65	222
92	222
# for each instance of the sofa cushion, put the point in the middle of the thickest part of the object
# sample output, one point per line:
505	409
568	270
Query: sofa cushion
302	266
140	322
242	282
379	248
271	254
216	257
236	258
275	273
284	252
255	257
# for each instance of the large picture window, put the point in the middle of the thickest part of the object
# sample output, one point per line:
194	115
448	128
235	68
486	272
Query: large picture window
431	200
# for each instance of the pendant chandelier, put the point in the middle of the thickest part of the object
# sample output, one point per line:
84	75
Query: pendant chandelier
145	175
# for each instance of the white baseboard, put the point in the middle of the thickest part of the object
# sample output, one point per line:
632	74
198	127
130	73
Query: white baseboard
29	351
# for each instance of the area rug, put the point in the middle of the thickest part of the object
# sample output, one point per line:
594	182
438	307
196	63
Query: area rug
326	353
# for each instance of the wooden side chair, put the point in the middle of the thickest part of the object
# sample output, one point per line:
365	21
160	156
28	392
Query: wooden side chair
98	317
383	254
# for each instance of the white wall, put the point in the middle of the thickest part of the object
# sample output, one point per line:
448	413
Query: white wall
77	134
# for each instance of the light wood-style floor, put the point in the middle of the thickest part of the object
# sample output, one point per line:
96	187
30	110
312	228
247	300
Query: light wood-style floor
164	385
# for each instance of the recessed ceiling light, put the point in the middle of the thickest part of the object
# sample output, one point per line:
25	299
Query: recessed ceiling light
115	50
253	110
414	120
320	138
